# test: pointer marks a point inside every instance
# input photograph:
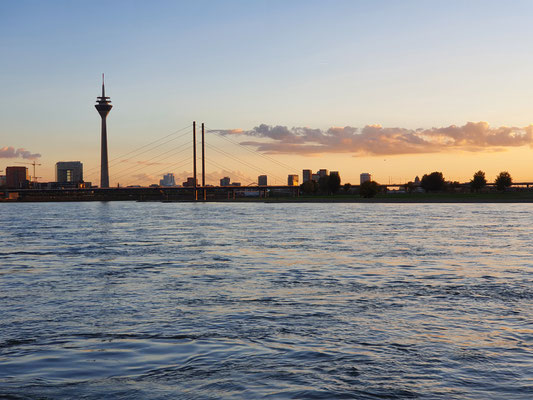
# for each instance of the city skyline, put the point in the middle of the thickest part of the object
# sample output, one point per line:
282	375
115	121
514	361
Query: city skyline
283	92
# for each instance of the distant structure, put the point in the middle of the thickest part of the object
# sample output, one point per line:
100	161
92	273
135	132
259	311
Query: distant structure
307	175
104	106
292	180
17	177
262	180
69	172
417	180
191	182
315	177
322	172
365	177
2	180
235	184
334	173
225	181
168	180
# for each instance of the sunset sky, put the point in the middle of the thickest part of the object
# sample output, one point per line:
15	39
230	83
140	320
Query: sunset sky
394	88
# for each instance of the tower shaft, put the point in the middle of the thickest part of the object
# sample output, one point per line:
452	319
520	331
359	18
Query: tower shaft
104	167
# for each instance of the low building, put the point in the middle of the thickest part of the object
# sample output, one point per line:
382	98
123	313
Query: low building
365	177
69	172
235	184
262	180
17	178
292	180
307	175
225	181
168	180
190	182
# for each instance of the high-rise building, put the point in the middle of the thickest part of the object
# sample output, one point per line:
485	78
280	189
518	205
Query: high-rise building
17	177
103	106
168	180
307	175
262	180
365	177
322	172
69	172
315	177
225	181
292	180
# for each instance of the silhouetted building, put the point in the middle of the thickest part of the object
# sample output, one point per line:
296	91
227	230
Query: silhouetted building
334	173
2	180
168	180
235	184
315	177
103	106
292	180
17	177
307	175
190	182
365	177
417	180
225	181
69	172
322	172
262	180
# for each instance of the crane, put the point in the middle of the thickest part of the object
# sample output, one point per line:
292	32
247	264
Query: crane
34	164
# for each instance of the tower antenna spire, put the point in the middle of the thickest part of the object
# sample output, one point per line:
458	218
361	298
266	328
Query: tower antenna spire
103	86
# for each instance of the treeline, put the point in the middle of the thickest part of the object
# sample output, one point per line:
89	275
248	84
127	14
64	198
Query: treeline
433	182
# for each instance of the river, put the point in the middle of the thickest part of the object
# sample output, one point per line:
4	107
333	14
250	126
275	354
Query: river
277	301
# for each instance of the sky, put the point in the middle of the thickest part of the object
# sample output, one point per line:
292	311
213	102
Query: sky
393	88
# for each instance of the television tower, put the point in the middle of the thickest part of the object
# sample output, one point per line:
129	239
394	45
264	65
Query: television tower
104	106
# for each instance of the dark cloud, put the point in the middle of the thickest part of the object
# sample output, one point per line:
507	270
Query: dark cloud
11	152
376	140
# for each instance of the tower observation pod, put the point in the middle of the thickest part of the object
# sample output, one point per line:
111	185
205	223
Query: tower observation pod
103	105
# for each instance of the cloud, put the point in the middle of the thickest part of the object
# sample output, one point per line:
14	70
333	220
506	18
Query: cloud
377	140
11	152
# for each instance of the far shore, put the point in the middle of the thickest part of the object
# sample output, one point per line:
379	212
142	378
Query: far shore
524	196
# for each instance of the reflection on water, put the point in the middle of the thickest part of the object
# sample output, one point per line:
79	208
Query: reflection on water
170	300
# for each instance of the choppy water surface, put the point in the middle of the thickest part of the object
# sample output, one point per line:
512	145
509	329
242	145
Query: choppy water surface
209	301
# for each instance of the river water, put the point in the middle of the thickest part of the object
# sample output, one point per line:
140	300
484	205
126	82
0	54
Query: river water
236	300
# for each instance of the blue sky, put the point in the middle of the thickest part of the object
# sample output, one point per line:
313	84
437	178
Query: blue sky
239	64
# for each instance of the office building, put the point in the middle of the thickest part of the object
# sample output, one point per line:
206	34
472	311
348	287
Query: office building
365	177
292	180
225	181
322	172
17	177
262	180
69	172
168	180
307	175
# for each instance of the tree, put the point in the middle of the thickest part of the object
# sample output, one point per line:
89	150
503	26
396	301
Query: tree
347	187
309	187
368	189
433	182
503	181
478	181
334	182
323	184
